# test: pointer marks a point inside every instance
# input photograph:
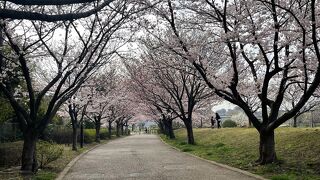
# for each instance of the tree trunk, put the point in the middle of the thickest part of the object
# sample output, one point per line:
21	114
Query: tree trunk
81	135
97	124
267	148
117	129
188	125
109	129
165	127
29	159
126	130
161	127
98	133
295	119
170	130
122	129
74	137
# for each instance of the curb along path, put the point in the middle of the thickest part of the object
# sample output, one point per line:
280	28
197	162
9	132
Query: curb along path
147	157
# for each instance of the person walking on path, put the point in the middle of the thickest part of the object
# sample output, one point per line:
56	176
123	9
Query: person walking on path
218	120
212	122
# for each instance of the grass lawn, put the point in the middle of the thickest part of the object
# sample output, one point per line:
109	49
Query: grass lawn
51	171
298	150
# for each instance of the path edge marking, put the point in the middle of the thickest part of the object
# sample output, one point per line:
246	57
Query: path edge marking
216	163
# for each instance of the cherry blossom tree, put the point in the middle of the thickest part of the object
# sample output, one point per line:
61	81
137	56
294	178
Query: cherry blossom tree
64	62
291	98
76	108
146	96
103	90
173	84
262	46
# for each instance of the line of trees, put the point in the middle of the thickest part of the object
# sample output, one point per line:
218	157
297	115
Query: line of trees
244	49
53	60
259	55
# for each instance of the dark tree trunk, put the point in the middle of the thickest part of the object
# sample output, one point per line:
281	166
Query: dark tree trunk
109	129
126	130
250	123
122	129
166	128
117	129
188	125
81	135
98	133
267	148
74	122
161	127
97	124
170	130
74	137
29	159
295	119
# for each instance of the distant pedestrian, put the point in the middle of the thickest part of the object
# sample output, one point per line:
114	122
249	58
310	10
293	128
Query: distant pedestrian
218	120
212	122
146	130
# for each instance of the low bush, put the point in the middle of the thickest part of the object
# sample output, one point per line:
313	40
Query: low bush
48	152
103	134
10	154
58	134
89	135
229	123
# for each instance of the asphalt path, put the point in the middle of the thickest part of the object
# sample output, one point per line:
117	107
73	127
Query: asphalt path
146	157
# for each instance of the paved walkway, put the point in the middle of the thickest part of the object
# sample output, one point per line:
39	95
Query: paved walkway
145	157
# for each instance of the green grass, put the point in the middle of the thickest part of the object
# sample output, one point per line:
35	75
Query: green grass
298	150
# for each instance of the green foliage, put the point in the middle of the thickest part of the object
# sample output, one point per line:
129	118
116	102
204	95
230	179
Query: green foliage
88	124
90	135
297	148
284	177
58	134
186	149
229	123
10	132
103	134
48	152
6	110
10	154
44	175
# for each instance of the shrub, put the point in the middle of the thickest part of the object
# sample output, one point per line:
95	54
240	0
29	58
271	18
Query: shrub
229	123
10	153
48	152
103	134
89	135
58	134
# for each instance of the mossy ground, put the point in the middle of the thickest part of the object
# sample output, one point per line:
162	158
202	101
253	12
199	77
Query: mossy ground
298	150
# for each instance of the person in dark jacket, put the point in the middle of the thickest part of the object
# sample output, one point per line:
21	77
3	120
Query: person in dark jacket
218	120
212	122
